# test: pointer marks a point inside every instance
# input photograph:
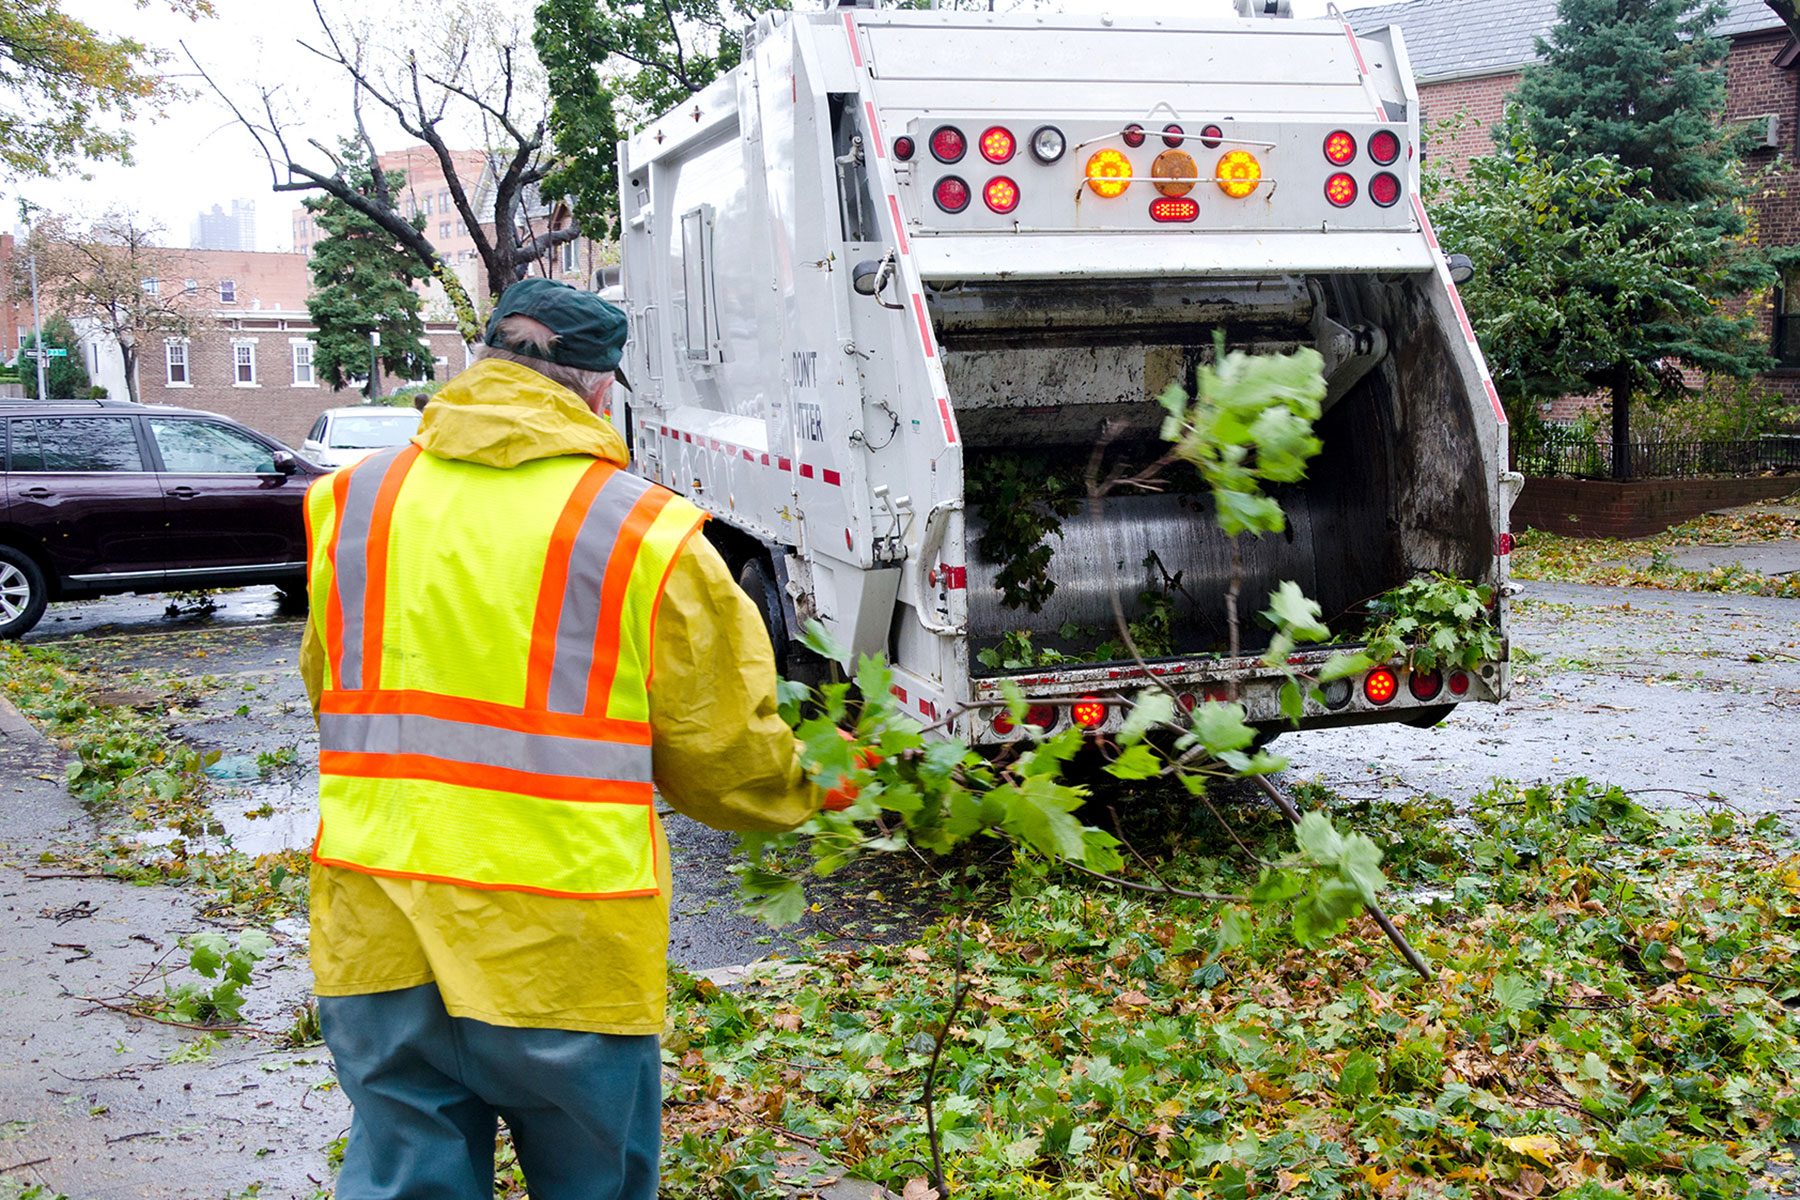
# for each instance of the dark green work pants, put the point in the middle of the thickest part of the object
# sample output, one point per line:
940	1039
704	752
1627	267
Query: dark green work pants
585	1109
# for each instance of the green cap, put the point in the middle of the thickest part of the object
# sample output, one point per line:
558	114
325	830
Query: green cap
590	332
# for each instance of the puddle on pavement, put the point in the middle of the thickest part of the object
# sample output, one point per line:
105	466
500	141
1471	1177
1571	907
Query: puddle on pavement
277	814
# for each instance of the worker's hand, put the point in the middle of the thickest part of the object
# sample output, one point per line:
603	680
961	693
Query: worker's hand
844	795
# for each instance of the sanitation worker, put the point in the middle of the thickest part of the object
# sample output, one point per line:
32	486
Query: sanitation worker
512	641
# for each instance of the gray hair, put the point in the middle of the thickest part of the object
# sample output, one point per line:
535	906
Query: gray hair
529	333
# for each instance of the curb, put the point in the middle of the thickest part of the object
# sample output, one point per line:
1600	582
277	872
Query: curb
14	728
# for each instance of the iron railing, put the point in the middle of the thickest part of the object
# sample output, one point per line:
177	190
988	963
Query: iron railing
1565	453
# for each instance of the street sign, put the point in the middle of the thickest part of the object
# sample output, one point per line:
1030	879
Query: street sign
52	352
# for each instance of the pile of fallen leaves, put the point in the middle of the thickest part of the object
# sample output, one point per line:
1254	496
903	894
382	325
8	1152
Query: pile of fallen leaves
1645	562
1610	1018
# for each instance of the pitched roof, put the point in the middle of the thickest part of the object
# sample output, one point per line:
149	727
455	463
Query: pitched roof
1458	39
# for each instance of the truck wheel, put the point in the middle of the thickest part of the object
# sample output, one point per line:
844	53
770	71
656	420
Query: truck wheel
755	579
1425	718
23	592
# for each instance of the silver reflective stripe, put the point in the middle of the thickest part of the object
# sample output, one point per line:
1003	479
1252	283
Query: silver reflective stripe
483	745
579	623
353	558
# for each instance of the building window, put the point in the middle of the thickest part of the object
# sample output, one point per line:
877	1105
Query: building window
243	356
443	229
444	200
303	364
425	204
1786	347
152	286
571	257
228	291
190	286
175	359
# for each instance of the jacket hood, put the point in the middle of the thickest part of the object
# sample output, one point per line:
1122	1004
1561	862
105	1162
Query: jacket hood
501	414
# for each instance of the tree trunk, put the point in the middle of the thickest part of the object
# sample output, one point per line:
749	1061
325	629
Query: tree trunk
1621	421
129	356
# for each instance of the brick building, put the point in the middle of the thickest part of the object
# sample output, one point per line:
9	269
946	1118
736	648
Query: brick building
15	315
250	356
1467	56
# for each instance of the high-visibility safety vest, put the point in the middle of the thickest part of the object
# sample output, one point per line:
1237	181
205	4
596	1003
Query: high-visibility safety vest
485	719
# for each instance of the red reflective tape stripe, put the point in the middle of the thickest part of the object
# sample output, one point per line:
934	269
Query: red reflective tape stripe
555	582
899	224
949	420
924	325
1494	399
748	457
765	460
786	464
850	32
381	523
955	577
832	477
1362	67
806	470
1425	222
1462	317
874	129
899	693
334	603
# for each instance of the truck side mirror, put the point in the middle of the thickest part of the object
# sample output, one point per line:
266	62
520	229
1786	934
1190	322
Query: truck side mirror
1462	268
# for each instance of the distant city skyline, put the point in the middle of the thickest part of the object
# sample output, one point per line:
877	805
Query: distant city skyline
221	230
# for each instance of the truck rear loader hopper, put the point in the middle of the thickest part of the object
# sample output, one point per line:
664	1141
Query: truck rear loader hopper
892	244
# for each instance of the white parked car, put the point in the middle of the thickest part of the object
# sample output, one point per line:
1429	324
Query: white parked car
343	436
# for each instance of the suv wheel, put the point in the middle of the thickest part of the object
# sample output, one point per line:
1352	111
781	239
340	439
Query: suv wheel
23	592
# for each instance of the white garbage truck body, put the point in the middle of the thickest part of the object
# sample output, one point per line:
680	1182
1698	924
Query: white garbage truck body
857	263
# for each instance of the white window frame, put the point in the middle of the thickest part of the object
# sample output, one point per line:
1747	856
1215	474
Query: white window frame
238	346
152	286
295	347
189	286
571	258
227	291
170	346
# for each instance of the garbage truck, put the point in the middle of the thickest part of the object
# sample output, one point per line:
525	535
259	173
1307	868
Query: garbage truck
895	246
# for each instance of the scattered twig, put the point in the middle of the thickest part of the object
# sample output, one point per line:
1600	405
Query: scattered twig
958	995
36	1162
132	1010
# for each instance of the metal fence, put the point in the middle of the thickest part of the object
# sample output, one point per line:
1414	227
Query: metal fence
1565	453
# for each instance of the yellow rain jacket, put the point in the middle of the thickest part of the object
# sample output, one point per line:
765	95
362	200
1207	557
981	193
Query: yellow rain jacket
720	752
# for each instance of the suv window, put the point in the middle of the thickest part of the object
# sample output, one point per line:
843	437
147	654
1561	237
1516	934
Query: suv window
204	448
317	432
75	444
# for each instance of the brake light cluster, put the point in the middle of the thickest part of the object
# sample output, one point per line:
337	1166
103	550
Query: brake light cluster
1341	187
997	145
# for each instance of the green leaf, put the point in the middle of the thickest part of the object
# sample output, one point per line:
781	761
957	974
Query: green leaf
1515	993
1360	1076
773	899
1136	762
206	952
1292	612
815	637
1219	724
1151	708
1037	812
1344	665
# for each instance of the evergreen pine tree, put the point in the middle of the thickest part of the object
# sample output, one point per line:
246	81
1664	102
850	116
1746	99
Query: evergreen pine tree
1643	81
362	281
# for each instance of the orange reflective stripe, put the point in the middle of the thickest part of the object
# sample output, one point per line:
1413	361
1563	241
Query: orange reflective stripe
375	600
354	765
612	595
468	883
487	712
556	581
334	603
662	586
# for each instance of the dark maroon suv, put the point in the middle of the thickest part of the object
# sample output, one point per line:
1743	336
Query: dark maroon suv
103	497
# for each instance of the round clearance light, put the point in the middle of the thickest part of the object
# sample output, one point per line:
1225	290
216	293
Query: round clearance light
997	144
1173	135
1340	149
1188	701
1108	174
904	148
1459	683
951	194
1211	136
1089	713
1174	172
1238	173
1001	194
1172	210
1336	693
1380	686
1384	189
1384	146
1003	723
1041	716
1340	189
1425	685
948	144
1133	135
1048	144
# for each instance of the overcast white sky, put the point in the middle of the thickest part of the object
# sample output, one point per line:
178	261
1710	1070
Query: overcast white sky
197	156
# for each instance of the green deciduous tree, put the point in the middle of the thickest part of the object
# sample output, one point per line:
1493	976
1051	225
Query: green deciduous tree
362	283
66	377
613	64
1642	82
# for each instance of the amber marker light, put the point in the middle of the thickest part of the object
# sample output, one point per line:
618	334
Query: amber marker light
1238	174
1109	174
1174	172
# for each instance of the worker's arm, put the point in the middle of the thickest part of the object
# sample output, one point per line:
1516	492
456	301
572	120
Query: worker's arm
312	664
721	752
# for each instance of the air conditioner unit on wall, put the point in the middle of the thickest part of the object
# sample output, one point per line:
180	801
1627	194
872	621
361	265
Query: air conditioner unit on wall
1766	127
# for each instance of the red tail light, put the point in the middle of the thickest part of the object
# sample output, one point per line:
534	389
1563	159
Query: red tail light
1089	713
1211	136
948	144
1340	189
1133	135
1043	716
1003	723
1380	686
997	144
903	148
1173	135
1174	209
1001	194
1425	685
1459	683
1340	148
951	194
1384	146
1384	189
1188	701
